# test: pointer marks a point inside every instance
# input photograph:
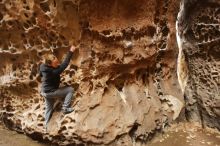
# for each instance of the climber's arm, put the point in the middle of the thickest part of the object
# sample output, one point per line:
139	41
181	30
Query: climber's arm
65	62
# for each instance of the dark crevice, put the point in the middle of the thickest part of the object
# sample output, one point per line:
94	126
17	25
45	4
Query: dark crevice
54	3
1	16
45	7
132	132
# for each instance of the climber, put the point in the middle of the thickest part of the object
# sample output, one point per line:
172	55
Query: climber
50	72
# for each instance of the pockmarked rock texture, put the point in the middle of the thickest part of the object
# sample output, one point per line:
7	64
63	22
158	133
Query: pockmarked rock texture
198	34
127	83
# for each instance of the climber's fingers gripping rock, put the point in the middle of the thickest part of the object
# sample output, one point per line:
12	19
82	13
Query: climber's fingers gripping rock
72	48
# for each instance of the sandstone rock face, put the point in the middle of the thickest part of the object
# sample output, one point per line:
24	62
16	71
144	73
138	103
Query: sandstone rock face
124	72
199	38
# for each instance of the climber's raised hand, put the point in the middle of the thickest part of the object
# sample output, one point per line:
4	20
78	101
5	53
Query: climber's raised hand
72	48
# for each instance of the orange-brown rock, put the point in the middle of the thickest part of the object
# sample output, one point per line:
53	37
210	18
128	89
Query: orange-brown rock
130	73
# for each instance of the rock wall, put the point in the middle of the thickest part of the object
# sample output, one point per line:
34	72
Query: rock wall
199	37
124	72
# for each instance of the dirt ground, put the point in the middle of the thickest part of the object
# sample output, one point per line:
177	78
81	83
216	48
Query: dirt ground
187	135
12	138
178	135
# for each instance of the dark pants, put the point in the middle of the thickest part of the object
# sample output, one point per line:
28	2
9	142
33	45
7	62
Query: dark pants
64	92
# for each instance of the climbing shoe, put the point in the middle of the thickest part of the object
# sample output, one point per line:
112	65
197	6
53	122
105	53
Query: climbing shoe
67	110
